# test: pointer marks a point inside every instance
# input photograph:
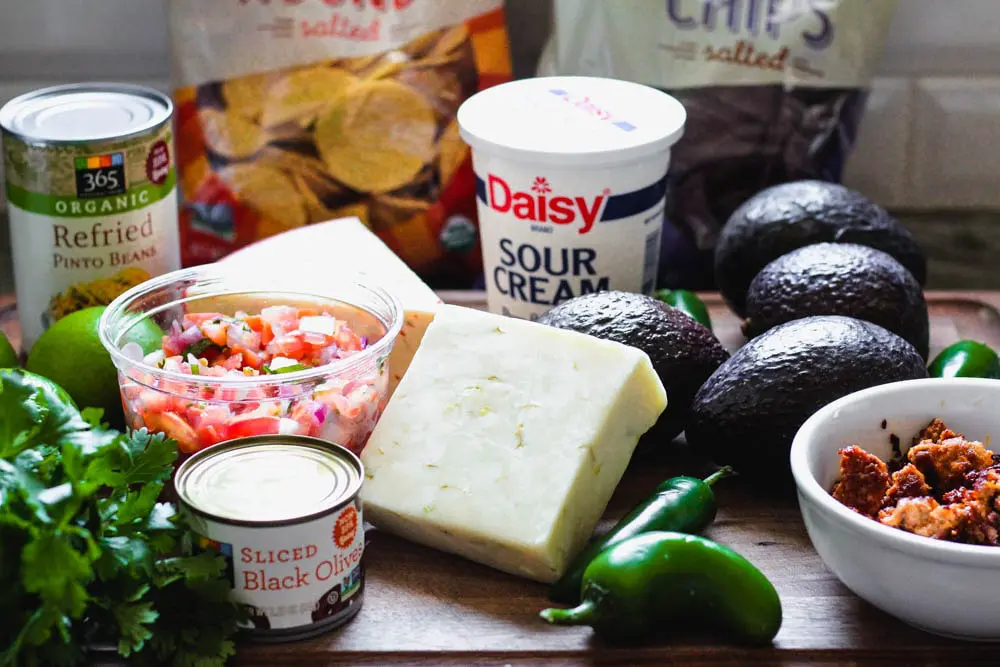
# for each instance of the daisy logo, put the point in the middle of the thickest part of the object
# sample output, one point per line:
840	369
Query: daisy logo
542	203
541	185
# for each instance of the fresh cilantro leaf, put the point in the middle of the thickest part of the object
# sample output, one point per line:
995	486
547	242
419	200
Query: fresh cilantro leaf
49	630
198	347
206	565
94	417
137	505
25	410
37	411
133	624
127	552
208	652
57	572
161	518
162	534
198	636
140	457
18	486
72	462
83	542
291	368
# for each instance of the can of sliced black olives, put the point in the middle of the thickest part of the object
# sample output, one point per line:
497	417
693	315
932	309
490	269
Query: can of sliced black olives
285	513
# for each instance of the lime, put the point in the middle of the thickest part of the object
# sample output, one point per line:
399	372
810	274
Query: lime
8	357
70	354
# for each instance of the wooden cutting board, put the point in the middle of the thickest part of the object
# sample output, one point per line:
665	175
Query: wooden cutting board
423	607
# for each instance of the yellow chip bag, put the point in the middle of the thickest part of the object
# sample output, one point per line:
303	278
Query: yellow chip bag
301	94
377	136
299	111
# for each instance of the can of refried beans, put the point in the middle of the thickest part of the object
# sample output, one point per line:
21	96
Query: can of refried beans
285	513
91	195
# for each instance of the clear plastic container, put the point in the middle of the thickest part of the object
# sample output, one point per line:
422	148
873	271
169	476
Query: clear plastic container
339	401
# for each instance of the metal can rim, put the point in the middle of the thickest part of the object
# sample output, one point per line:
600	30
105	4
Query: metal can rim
98	87
316	444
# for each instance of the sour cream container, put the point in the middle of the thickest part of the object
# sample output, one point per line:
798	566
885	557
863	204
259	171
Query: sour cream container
571	186
284	512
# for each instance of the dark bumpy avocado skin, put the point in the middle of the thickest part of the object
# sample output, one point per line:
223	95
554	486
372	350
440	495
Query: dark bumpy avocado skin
839	279
683	352
747	413
785	217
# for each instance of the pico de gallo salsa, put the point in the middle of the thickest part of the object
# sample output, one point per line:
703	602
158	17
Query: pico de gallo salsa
279	340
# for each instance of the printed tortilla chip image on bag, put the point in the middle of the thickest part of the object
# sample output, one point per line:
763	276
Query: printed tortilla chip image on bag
291	112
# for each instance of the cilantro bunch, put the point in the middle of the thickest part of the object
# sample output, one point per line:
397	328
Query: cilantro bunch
88	556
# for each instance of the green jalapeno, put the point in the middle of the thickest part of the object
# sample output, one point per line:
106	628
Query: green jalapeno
681	504
686	302
966	358
640	587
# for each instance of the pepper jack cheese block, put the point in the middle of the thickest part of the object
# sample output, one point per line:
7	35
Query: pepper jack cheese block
346	244
506	438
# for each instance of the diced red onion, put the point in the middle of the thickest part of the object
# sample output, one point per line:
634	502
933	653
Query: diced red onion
189	336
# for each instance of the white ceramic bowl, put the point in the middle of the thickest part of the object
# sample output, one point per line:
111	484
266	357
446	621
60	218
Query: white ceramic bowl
942	587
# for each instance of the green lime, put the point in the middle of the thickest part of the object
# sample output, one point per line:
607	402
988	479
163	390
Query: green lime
8	357
70	354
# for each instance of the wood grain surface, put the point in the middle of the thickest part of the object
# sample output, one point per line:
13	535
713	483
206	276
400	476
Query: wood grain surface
424	607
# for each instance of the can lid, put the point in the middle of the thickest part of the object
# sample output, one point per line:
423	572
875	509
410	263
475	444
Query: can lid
267	482
571	120
85	112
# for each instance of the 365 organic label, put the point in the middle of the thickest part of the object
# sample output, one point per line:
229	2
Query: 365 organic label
88	221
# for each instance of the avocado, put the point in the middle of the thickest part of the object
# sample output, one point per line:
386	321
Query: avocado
839	279
785	217
683	352
748	411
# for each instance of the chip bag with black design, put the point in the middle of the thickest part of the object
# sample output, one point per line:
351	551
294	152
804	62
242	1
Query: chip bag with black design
774	91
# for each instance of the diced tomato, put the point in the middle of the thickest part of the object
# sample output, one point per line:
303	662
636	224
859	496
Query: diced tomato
234	362
289	346
306	312
210	434
155	401
243	428
266	334
214	331
198	318
343	407
171	348
251	359
315	339
254	322
229	394
173	426
346	339
304	412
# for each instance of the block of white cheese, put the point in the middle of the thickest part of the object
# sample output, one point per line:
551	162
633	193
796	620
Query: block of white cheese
506	438
348	245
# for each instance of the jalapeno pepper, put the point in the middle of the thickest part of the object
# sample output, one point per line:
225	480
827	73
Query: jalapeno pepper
640	587
682	504
966	358
686	302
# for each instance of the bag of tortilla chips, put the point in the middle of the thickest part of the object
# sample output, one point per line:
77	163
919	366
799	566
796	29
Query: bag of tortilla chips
291	112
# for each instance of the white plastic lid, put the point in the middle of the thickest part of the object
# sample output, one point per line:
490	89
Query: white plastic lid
571	120
85	112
